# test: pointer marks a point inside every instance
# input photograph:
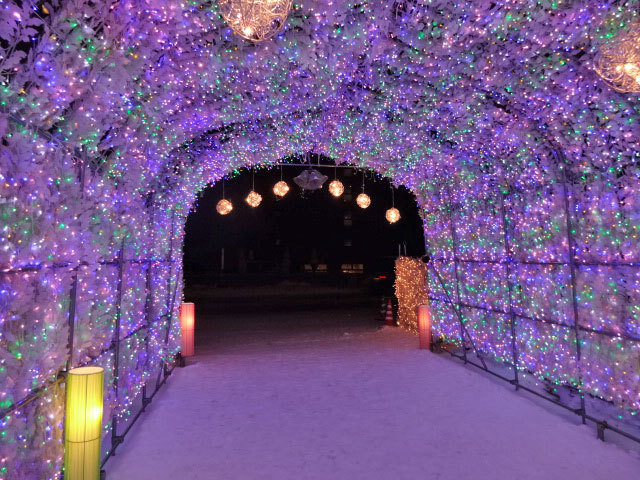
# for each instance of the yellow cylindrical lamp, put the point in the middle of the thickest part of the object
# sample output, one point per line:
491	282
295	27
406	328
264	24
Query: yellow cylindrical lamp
187	325
424	326
83	423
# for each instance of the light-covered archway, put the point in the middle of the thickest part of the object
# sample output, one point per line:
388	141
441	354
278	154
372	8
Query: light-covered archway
113	117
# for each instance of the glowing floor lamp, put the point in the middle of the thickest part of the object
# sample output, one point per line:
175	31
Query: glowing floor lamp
424	326
187	325
83	423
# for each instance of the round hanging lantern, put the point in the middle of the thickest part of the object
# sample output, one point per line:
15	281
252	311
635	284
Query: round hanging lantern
224	206
255	20
253	199
392	215
618	62
281	188
336	188
363	200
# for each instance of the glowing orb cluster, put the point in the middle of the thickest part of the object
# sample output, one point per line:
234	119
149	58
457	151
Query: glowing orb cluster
392	215
363	200
224	206
336	188
281	188
255	20
618	62
253	199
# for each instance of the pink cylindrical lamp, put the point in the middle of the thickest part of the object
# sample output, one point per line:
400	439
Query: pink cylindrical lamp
424	326
187	325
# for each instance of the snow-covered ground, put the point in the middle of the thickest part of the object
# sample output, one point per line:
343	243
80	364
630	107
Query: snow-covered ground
332	399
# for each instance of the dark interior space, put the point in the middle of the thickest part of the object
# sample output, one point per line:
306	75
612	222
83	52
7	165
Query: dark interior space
306	250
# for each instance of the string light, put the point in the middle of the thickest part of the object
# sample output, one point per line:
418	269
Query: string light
618	62
224	206
336	188
254	198
255	20
410	289
363	199
281	188
393	214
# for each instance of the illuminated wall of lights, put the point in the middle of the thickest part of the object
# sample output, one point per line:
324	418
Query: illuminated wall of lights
484	109
410	290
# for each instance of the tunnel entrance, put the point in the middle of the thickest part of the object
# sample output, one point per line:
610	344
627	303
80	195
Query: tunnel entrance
306	251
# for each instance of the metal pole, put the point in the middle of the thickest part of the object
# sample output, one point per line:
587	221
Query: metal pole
72	316
115	439
455	263
147	315
76	271
572	266
512	315
170	298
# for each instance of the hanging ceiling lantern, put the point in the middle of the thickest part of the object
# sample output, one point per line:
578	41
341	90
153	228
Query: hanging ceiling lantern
363	200
336	188
255	20
253	199
224	206
618	62
281	188
392	215
310	179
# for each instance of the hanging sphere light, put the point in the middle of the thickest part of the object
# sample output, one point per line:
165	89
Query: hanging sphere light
255	20
363	200
618	62
224	206
253	199
336	188
392	215
281	188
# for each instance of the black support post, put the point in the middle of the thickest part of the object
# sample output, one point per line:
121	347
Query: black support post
507	265
572	267
115	438
454	242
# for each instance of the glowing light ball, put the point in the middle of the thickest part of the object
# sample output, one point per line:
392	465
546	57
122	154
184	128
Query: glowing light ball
618	62
392	215
255	20
363	200
253	199
424	326
336	188
187	326
224	206
83	423
281	188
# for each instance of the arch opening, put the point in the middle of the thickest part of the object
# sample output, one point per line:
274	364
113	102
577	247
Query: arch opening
308	238
111	120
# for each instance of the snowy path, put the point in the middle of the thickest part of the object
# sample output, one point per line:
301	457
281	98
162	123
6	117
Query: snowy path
325	404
